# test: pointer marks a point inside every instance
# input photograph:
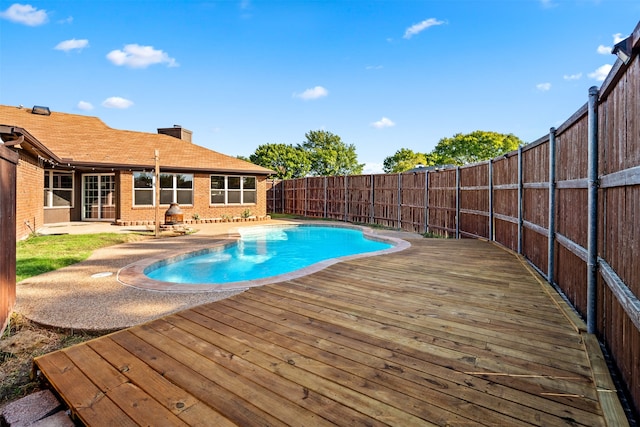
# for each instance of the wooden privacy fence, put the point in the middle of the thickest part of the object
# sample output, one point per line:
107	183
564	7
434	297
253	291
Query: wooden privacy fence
568	202
8	167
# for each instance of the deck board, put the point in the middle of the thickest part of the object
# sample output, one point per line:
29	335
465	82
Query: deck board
447	332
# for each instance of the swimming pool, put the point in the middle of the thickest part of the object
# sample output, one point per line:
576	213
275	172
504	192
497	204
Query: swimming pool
261	255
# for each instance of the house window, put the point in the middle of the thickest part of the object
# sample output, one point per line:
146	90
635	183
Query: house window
58	189
174	188
233	190
143	189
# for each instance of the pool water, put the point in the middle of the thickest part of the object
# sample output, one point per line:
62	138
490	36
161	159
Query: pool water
266	251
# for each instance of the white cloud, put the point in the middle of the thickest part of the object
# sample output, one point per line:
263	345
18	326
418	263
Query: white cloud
374	67
383	123
85	106
543	87
420	27
373	168
68	20
136	56
313	93
25	14
606	50
601	73
117	102
577	76
547	4
68	45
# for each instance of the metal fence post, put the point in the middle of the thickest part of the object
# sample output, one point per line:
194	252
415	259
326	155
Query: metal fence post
399	201
325	197
346	213
426	201
592	234
520	201
457	202
306	195
491	237
373	195
551	239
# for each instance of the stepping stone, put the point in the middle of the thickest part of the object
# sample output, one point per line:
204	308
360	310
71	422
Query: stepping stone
31	409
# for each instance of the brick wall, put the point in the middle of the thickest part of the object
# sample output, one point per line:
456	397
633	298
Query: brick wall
201	198
30	194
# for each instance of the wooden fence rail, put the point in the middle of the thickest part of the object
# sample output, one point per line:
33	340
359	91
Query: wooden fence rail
569	202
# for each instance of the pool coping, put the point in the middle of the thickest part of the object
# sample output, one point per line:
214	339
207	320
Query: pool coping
133	275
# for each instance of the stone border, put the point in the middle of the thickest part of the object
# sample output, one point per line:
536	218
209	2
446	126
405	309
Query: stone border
133	275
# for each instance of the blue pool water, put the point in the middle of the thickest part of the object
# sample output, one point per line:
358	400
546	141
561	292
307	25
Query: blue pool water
264	252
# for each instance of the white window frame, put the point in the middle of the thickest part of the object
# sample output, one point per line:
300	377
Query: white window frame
134	189
50	189
241	190
174	188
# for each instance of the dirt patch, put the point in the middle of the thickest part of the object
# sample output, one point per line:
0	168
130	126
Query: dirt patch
21	342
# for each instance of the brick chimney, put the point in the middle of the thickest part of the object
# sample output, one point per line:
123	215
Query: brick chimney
177	131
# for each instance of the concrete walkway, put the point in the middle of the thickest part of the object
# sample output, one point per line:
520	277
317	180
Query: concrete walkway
88	296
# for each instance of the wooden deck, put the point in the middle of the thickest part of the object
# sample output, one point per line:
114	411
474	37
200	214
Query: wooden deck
444	333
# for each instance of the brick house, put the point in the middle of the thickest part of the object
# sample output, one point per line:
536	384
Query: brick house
76	168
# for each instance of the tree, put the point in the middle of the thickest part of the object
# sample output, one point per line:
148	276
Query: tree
329	155
474	147
405	159
286	160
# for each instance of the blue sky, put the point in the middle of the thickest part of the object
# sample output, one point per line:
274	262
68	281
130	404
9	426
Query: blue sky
383	75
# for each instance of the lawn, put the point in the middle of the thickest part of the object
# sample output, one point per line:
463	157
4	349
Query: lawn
40	254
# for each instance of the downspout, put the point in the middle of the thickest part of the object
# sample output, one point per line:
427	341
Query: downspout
592	234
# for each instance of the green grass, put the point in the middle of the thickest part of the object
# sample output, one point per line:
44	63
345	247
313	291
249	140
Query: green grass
40	254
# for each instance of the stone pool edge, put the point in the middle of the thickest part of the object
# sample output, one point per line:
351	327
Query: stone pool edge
133	275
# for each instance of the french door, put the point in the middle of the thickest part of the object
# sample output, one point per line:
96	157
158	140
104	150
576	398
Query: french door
99	197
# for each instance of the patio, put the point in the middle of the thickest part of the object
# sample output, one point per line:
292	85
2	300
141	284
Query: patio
447	332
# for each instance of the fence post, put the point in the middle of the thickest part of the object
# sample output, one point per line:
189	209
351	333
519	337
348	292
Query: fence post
520	204
325	197
491	200
345	199
373	195
551	239
457	202
399	201
306	196
426	201
592	233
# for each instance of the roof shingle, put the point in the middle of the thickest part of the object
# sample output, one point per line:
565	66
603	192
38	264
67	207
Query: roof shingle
85	140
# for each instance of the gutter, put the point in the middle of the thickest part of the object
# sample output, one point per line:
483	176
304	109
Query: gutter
15	136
